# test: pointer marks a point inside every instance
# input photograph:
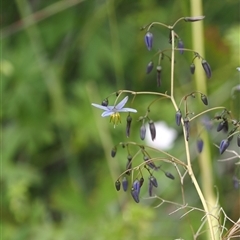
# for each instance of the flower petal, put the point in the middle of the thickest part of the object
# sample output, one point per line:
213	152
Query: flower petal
127	110
122	103
100	106
107	113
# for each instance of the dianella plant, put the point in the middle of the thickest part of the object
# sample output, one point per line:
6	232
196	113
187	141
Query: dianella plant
144	163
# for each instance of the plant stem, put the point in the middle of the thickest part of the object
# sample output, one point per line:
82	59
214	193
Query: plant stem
189	167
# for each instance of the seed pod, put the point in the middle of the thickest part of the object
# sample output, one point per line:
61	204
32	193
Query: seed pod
199	145
149	67
129	121
238	140
180	46
159	69
204	99
153	180
150	188
125	184
141	181
114	151
192	68
223	145
117	185
149	40
152	130
178	117
169	175
105	102
207	68
143	132
194	19
187	127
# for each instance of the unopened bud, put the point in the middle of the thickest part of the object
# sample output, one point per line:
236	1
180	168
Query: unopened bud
223	145
149	67
152	130
143	132
154	181
199	145
207	68
178	117
105	102
204	99
128	127
149	40
125	184
117	185
114	152
192	68
169	175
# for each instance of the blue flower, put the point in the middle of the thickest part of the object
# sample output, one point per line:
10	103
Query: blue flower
113	111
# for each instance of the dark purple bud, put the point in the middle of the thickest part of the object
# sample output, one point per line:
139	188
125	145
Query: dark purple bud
150	188
159	69
124	184
178	117
180	46
105	102
143	132
225	127
152	130
223	145
129	121
169	175
192	68
154	181
238	140
136	190
199	145
204	99
128	167
149	40
118	185
221	125
149	67
141	181
135	195
187	127
194	19
150	163
114	152
136	185
207	68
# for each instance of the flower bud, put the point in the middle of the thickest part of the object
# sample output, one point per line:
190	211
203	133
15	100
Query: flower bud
150	188
135	195
238	140
152	130
192	68
222	125
125	184
105	102
141	181
204	99
149	40
150	163
187	127
153	180
169	175
129	121
128	167
199	145
142	132
178	117
207	68
159	69
118	185
223	145
194	19
114	151
149	67
180	46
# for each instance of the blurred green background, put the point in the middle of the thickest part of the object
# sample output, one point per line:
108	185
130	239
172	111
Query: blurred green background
57	176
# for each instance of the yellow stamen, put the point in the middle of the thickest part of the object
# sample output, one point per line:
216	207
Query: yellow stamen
115	118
